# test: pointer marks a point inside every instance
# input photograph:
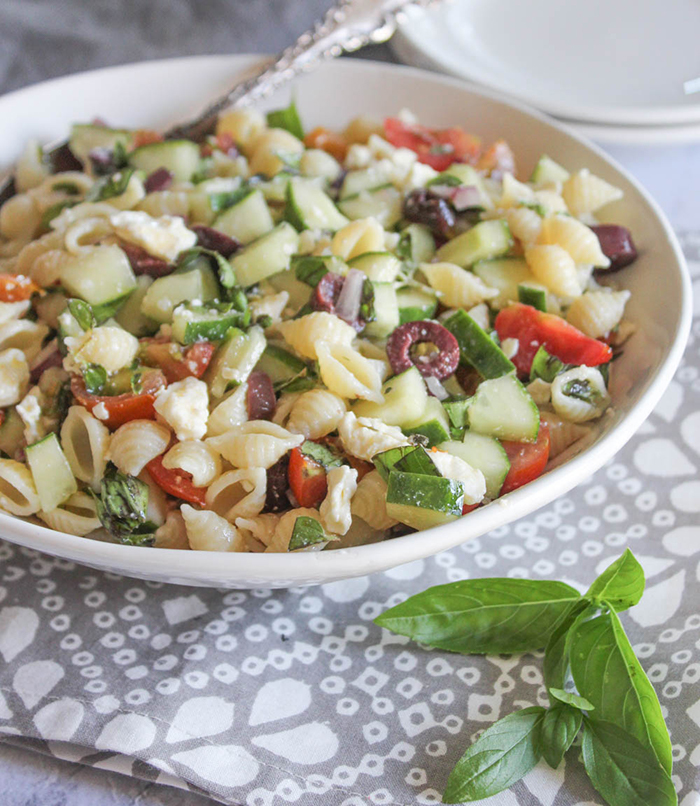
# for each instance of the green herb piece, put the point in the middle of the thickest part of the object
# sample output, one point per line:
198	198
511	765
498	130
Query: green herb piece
95	377
302	383
106	310
386	460
483	616
621	585
502	755
286	119
569	698
307	532
540	209
444	180
110	186
188	259
546	366
582	390
418	461
54	211
367	312
559	729
608	674
536	297
310	269
82	313
120	158
322	454
222	201
264	321
69	188
556	654
122	508
624	770
136	381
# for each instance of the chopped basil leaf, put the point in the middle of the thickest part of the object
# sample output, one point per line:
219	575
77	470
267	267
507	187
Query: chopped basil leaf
457	411
417	461
444	180
122	508
95	377
55	210
310	269
286	119
307	532
82	313
223	268
546	366
536	207
367	311
322	454
119	155
581	390
264	321
110	186
69	188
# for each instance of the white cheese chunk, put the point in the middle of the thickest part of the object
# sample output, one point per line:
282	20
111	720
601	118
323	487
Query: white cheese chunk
184	406
163	237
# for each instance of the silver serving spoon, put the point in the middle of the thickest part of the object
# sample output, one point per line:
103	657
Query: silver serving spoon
346	27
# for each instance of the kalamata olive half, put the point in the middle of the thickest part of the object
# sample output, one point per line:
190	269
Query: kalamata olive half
143	263
440	364
261	401
276	499
210	238
423	207
160	179
326	294
617	245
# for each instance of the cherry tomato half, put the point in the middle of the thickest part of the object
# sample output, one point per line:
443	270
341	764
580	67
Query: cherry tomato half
176	482
438	148
122	408
307	479
527	460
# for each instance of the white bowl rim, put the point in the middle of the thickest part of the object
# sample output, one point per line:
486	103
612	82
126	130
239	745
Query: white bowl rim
217	569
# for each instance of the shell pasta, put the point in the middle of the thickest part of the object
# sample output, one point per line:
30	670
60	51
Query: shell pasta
276	342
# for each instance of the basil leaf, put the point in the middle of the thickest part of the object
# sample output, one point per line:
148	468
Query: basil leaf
568	697
556	653
223	268
110	186
502	755
286	119
322	454
560	726
54	211
95	377
307	532
624	771
608	674
82	313
122	508
367	311
621	584
222	201
483	616
417	460
69	188
581	390
546	366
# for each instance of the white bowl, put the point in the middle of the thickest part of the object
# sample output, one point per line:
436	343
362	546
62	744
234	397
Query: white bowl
157	93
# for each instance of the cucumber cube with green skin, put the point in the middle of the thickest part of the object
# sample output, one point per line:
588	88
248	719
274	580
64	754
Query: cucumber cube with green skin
199	323
415	304
249	218
308	207
548	171
417	244
130	317
180	157
404	395
417	461
465	175
266	256
166	293
485	454
503	408
234	360
386	308
432	424
364	179
84	137
53	478
505	275
386	460
422	502
384	203
485	240
99	275
477	347
531	295
280	365
457	411
380	267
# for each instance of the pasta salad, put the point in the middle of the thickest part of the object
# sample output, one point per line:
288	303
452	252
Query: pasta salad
278	340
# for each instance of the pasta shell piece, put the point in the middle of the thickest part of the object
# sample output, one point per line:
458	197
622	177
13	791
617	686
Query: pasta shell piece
369	502
285	527
308	332
267	148
197	458
173	533
244	125
579	394
257	443
24	335
596	313
336	514
85	441
166	202
111	347
364	437
260	528
20	218
357	238
18	495
525	224
316	413
238	493
31	168
514	192
232	411
562	433
349	374
554	267
576	238
207	531
136	443
585	193
458	287
77	516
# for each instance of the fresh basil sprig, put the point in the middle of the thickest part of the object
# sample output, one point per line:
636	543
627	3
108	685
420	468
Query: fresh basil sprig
596	685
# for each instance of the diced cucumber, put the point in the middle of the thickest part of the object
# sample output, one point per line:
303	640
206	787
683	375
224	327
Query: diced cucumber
364	179
130	315
533	295
84	137
193	323
308	207
485	240
280	365
234	360
246	220
299	293
457	411
548	171
417	461
166	293
485	454
404	395
386	460
415	304
380	267
53	478
466	175
100	275
275	190
385	204
432	423
477	347
503	408
423	501
386	309
180	157
505	275
417	244
11	432
266	256
311	268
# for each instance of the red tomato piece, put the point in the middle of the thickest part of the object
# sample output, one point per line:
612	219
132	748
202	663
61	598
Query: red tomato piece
307	479
122	408
176	482
16	288
333	143
527	460
438	148
498	159
534	329
2	416
177	362
467	508
145	137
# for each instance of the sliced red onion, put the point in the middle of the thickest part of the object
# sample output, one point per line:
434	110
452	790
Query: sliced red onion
350	298
435	388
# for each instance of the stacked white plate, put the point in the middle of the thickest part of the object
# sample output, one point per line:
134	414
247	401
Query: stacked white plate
620	71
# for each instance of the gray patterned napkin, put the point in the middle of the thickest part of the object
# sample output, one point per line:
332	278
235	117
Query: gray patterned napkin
270	697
